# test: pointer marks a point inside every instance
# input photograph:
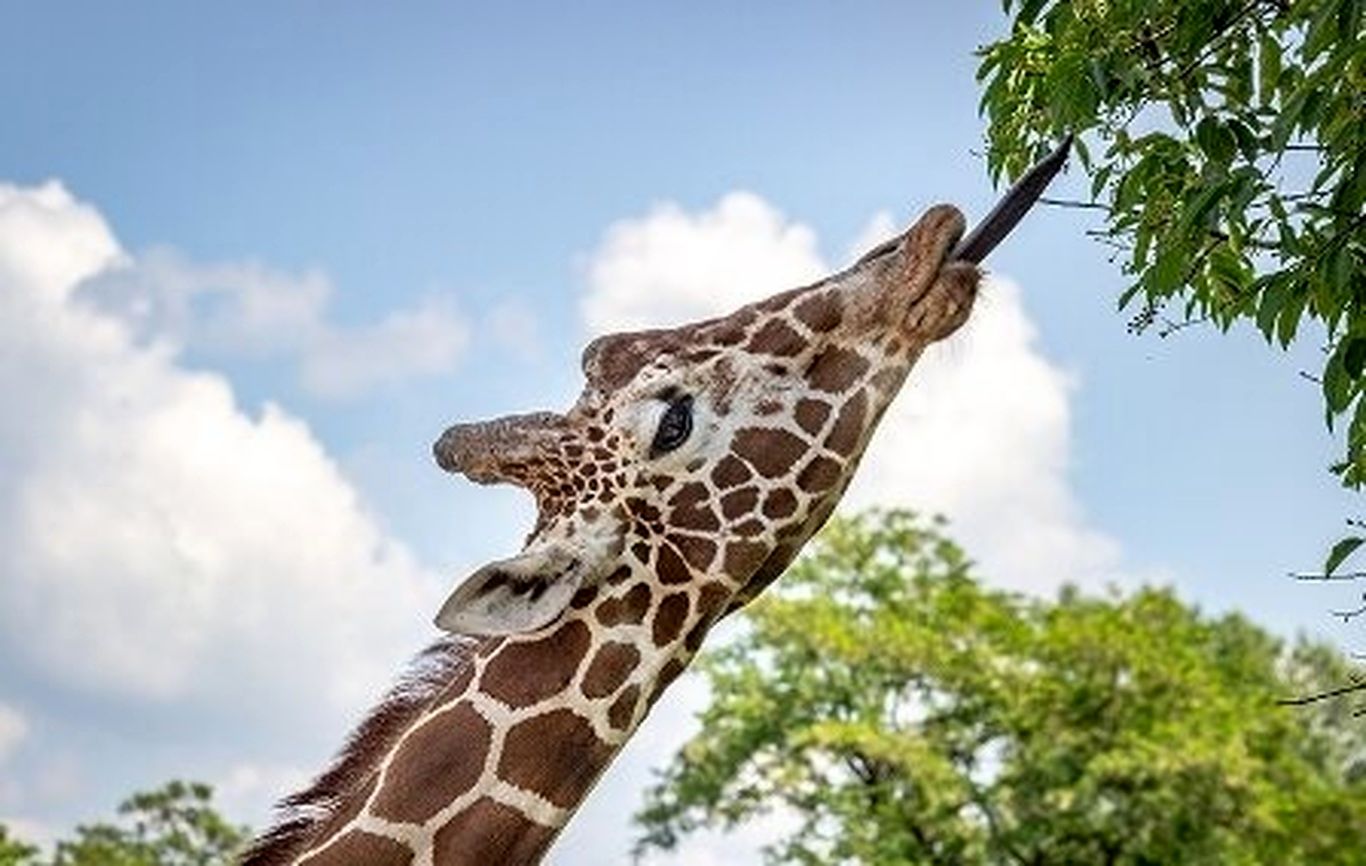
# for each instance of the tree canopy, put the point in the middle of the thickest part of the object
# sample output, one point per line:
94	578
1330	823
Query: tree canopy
1225	144
174	825
905	713
13	852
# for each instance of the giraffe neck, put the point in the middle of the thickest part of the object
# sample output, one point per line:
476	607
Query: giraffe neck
495	765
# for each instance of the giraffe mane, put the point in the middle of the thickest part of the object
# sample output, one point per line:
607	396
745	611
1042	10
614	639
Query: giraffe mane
299	816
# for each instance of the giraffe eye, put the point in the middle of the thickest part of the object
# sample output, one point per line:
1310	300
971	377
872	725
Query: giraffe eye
674	427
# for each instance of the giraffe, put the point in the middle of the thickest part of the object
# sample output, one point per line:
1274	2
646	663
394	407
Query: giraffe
693	467
696	463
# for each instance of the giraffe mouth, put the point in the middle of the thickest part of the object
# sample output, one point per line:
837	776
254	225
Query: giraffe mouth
922	291
503	450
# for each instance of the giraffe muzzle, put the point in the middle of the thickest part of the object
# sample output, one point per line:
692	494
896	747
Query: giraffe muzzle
502	450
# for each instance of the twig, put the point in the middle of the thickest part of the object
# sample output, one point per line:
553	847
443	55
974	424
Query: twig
1063	202
1216	42
1320	576
1170	327
1322	696
1349	615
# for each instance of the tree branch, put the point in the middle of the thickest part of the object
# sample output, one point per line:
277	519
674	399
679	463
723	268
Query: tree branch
1062	202
1318	575
1322	696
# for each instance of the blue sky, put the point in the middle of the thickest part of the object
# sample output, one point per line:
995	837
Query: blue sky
441	194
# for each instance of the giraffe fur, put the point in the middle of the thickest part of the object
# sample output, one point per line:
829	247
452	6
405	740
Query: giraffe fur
636	553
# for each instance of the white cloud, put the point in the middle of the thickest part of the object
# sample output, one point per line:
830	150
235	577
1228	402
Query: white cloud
880	227
13	730
246	309
982	431
514	326
245	789
426	340
672	266
157	542
28	831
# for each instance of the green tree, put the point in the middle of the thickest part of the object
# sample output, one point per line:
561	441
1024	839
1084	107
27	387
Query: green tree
1225	144
907	714
15	853
175	825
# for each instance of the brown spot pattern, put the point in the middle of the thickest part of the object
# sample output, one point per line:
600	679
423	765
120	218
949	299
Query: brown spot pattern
739	502
820	312
698	552
712	600
742	557
811	414
691	509
357	846
844	436
835	369
438	762
776	337
563	774
525	673
488	832
819	475
584	597
619	716
770	452
610	668
750	528
671	670
629	608
780	503
672	568
457	686
669	619
729	472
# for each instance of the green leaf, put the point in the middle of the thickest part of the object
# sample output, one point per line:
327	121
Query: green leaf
1289	117
1268	68
1344	548
1354	356
1216	140
1029	10
1337	385
1270	302
1288	322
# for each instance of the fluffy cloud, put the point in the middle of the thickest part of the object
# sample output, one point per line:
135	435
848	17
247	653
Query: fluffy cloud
981	433
672	266
13	729
246	787
249	310
156	541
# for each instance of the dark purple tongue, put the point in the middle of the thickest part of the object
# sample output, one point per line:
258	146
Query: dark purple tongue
1011	209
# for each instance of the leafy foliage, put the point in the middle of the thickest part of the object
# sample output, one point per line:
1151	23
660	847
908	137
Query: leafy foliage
175	825
1225	142
16	853
904	713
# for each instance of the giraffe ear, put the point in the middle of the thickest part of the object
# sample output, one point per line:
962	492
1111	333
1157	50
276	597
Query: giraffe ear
513	595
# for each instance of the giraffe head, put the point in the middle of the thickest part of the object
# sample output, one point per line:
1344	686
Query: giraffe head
711	450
